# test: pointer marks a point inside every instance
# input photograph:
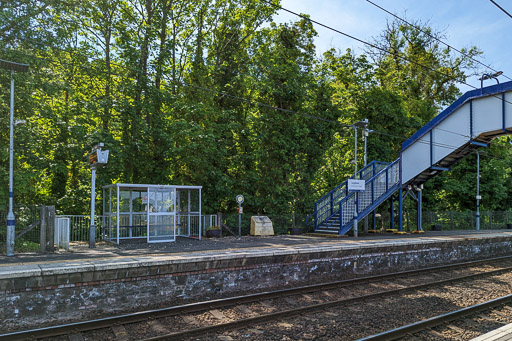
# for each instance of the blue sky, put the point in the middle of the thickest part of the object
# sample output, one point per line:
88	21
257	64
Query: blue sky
465	23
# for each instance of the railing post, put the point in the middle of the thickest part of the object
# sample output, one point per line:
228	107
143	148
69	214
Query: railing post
387	179
373	192
316	216
357	202
341	216
332	204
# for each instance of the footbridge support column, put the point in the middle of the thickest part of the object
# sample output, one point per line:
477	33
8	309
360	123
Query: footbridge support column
419	208
391	213
400	210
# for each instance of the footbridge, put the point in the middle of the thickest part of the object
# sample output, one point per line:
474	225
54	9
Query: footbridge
471	122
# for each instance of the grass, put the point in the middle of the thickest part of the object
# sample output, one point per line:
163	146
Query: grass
21	246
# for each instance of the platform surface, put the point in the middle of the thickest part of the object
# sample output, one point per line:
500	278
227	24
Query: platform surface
501	334
107	256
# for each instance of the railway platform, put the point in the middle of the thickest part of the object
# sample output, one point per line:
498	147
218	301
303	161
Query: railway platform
90	283
501	334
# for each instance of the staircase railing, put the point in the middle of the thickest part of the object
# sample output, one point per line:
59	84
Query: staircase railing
377	189
328	205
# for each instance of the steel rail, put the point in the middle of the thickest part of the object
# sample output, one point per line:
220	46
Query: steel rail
243	323
419	326
106	322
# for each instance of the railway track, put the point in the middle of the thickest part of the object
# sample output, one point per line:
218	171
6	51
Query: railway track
425	326
204	318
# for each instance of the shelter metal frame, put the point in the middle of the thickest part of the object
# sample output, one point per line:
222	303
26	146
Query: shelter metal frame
158	213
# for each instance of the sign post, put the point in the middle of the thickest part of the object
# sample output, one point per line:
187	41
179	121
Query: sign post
240	201
356	186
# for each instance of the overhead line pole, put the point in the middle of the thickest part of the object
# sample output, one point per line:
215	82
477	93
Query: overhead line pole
478	190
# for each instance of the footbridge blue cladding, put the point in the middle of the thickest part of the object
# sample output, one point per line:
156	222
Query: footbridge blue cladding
471	122
473	94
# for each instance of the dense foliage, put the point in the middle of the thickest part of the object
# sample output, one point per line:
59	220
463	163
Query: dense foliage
185	92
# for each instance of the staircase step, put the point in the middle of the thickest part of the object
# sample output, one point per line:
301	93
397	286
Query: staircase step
323	234
326	230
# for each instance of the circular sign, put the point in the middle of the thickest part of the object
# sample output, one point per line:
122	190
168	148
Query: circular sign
240	199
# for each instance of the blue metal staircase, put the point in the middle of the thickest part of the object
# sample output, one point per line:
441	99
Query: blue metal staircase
335	211
472	121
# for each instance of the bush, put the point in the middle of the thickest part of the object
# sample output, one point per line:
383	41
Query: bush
21	245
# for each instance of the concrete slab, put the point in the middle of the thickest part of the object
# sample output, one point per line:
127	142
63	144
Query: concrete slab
110	264
65	268
17	271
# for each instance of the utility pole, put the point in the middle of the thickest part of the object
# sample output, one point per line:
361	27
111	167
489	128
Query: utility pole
365	138
355	151
478	197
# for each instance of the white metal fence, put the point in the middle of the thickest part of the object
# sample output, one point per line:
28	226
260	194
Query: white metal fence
188	226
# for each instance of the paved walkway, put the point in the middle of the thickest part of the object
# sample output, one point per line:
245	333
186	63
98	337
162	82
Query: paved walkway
185	247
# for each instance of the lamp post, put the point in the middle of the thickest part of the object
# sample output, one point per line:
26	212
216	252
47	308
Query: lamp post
359	124
10	216
486	76
97	158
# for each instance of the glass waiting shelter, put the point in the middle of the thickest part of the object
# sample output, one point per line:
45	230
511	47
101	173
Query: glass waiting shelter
157	213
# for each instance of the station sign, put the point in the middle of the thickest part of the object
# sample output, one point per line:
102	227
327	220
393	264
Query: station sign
240	199
356	185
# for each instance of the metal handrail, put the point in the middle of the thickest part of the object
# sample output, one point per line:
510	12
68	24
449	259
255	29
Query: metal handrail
317	209
373	178
351	194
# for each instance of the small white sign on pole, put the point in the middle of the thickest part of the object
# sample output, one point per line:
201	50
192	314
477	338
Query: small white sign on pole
356	185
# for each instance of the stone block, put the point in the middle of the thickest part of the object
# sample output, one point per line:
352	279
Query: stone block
20	283
75	278
108	275
6	284
105	275
153	270
49	280
261	226
138	272
35	282
87	276
62	279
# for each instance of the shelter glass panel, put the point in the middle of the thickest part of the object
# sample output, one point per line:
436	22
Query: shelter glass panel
188	213
162	218
133	214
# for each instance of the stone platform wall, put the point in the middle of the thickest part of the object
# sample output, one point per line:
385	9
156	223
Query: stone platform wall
66	292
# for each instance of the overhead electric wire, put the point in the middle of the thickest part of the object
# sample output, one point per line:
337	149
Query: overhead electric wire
222	93
437	144
501	8
434	37
377	47
278	108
